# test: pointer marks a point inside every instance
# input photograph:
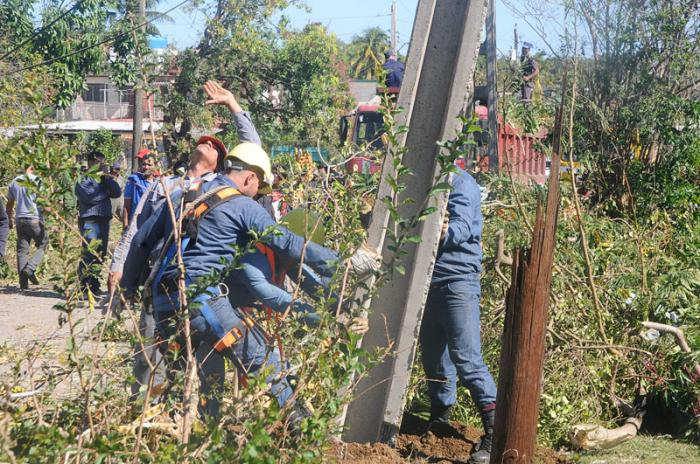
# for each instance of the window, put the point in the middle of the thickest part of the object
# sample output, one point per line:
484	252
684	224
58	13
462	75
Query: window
95	93
126	95
370	129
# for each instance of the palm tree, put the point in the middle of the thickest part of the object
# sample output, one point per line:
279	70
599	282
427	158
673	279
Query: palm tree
365	53
124	6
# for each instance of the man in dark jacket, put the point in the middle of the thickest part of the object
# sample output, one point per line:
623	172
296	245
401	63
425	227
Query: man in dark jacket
394	69
95	213
450	332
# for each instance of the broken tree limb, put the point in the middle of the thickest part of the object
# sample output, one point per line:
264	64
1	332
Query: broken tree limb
678	335
501	257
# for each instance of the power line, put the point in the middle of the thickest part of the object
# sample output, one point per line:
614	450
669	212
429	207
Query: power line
102	42
39	31
331	18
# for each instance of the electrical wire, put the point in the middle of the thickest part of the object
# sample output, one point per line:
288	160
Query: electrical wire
102	42
39	31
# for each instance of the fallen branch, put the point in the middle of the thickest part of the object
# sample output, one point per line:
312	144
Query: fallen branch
501	257
678	334
597	437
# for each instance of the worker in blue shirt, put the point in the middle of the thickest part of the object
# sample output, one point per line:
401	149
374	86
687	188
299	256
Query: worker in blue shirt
95	213
394	69
202	167
232	222
137	184
450	332
258	283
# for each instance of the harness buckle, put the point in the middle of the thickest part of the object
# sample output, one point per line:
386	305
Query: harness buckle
223	290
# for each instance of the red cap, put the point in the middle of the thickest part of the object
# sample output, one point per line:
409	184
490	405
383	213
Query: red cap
143	152
218	144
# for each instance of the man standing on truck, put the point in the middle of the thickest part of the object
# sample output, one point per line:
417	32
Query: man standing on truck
529	70
451	332
394	70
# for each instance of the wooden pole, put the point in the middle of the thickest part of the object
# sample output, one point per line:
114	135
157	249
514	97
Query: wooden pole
137	118
491	78
393	28
525	326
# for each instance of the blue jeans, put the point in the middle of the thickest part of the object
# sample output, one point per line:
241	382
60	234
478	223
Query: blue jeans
451	343
91	229
250	354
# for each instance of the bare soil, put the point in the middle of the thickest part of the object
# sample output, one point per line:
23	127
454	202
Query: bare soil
447	444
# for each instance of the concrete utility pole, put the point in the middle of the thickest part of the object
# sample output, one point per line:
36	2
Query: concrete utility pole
491	78
435	90
393	26
138	98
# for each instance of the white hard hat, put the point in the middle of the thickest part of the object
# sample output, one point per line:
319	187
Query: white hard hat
253	155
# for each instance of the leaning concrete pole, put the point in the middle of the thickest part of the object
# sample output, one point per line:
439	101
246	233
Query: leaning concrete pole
438	82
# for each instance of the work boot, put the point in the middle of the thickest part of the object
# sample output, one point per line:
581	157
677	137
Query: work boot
440	414
23	281
482	454
32	277
439	423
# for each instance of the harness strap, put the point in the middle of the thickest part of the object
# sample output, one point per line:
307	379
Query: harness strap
277	279
197	208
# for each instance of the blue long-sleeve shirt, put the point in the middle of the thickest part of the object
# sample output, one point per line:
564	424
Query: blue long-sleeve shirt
460	253
231	223
94	197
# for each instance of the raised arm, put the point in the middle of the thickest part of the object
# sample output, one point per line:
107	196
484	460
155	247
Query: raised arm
220	96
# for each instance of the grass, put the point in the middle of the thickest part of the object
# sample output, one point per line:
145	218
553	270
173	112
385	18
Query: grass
647	450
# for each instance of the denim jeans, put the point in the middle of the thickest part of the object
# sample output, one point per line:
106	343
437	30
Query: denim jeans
250	354
28	231
91	229
451	343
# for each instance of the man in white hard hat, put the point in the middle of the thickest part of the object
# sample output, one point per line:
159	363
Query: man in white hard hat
206	159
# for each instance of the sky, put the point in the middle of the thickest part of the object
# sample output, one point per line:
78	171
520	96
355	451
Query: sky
346	18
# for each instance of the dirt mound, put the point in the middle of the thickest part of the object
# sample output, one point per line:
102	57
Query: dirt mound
445	444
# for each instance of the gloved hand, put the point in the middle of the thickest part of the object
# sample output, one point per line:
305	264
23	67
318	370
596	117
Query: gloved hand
357	325
365	261
445	226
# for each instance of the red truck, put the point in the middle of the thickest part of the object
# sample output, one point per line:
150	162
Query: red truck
516	151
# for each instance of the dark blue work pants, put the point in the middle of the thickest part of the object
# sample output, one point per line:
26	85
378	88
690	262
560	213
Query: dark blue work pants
451	343
92	229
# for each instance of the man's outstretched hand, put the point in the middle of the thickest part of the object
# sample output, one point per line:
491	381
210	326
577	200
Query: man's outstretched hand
220	96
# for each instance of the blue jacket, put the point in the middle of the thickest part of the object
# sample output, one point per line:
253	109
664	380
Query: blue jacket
94	197
230	223
394	73
460	253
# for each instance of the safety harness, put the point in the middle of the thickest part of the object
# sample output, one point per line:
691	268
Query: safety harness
196	207
278	280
